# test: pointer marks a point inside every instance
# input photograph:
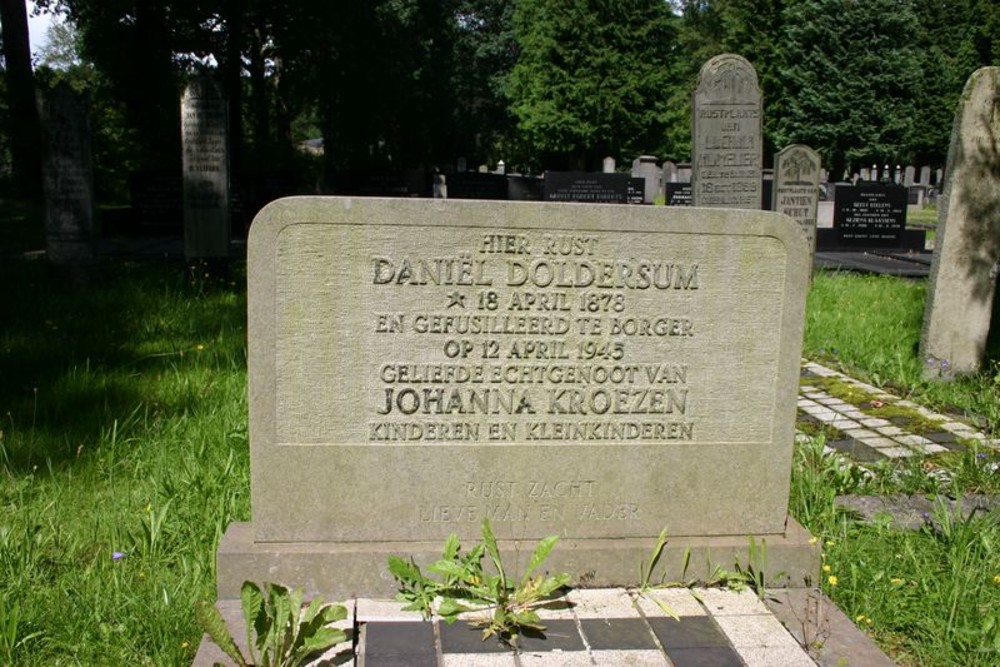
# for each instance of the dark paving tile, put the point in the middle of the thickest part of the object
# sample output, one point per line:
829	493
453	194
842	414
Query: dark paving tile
721	656
617	633
399	638
461	637
689	632
856	449
806	373
806	418
900	420
559	635
942	437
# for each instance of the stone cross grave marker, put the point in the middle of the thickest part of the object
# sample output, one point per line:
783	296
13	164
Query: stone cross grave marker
204	134
68	176
967	253
726	135
594	371
796	188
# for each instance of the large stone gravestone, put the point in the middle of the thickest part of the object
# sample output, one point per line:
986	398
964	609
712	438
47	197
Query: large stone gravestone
967	253
204	134
726	135
796	188
597	372
68	176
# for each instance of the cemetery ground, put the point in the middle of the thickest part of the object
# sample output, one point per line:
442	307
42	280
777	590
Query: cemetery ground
124	455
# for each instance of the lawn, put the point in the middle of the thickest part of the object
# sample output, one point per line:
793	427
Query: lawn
123	456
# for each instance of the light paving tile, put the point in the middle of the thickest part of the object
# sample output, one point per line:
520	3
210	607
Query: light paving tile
911	439
679	600
860	433
630	658
756	631
878	441
602	603
854	414
890	430
556	659
827	450
831	401
896	452
955	426
384	610
775	657
477	660
932	448
723	602
844	424
804	388
875	422
560	609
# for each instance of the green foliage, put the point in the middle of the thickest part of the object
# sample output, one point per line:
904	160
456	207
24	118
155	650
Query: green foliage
281	631
592	77
464	586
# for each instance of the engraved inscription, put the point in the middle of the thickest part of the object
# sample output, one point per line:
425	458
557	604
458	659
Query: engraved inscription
535	331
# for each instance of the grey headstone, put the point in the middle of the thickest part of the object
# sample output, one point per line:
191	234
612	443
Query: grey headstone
461	165
938	177
669	172
865	174
726	135
68	176
683	173
593	371
796	188
925	176
609	165
909	175
967	252
204	133
646	167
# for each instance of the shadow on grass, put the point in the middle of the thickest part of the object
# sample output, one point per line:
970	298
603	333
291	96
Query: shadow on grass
135	339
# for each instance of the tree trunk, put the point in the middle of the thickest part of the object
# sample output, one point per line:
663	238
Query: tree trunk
24	132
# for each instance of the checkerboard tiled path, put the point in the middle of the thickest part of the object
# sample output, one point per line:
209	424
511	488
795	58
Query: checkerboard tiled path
611	627
867	437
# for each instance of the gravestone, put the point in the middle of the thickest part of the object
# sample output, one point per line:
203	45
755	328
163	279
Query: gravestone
796	188
586	187
677	194
726	135
636	191
645	167
608	167
594	371
967	253
473	185
525	188
870	215
865	174
204	136
909	175
925	176
669	172
67	176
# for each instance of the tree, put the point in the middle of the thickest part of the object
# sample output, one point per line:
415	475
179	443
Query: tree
23	125
849	78
591	79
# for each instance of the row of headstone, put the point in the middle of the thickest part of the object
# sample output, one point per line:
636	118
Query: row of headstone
906	176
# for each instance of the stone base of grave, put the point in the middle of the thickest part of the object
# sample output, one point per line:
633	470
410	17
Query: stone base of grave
354	569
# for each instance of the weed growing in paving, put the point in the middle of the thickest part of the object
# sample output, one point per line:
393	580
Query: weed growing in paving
464	586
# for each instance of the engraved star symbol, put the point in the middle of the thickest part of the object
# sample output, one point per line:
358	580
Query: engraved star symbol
456	299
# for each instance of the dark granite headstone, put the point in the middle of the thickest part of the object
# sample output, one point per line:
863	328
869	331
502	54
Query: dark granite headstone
376	183
525	188
870	215
637	190
473	185
677	194
588	187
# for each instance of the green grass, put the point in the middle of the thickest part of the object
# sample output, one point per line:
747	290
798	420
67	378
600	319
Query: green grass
123	430
929	597
123	419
